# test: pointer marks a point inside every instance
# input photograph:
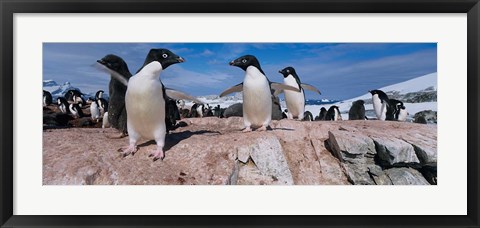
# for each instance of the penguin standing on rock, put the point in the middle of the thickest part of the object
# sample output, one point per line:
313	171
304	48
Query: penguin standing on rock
380	103
322	114
357	111
396	111
307	116
295	100
145	101
333	114
257	93
117	87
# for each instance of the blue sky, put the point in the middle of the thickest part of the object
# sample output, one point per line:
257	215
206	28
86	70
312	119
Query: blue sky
339	70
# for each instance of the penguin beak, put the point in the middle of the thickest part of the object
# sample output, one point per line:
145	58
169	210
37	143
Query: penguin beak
102	62
232	63
180	59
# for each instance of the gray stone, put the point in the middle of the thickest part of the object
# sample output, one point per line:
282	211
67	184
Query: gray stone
267	154
358	174
350	146
426	116
393	152
406	176
378	176
234	110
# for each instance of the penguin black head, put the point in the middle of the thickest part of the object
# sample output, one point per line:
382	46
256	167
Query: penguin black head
114	63
288	71
74	92
383	96
359	102
245	61
376	91
163	56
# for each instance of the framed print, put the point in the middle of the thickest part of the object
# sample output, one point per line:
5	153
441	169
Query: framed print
312	113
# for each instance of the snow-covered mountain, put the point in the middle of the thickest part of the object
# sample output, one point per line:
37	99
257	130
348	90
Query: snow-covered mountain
59	90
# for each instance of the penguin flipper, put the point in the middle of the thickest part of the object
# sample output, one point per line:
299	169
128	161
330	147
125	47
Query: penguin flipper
235	88
121	78
177	95
277	92
311	88
278	87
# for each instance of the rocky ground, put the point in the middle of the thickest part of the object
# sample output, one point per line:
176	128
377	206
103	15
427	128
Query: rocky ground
206	151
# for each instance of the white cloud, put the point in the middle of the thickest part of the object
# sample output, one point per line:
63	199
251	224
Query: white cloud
179	77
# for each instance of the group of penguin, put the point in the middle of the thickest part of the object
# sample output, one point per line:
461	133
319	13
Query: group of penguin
332	114
151	106
72	103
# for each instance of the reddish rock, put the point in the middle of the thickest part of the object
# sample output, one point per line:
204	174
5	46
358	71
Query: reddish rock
205	151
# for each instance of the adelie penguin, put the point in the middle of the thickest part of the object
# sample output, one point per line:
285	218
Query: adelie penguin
63	105
73	95
307	116
380	103
357	111
99	94
322	114
102	105
145	101
117	87
295	100
47	98
257	93
396	111
94	110
333	114
117	113
76	110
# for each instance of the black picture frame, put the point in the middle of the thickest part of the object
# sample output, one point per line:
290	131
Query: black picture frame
9	7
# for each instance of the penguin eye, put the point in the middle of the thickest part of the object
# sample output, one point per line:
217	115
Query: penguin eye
244	60
164	55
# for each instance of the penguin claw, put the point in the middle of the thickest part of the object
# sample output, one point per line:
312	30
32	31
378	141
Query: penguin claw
247	129
263	128
125	151
158	154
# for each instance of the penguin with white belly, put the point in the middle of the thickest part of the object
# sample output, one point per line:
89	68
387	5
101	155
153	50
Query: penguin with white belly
63	105
257	93
396	111
145	101
333	114
295	100
380	103
76	110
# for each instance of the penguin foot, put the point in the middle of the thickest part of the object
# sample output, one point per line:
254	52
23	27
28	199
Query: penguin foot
157	154
247	129
125	151
263	128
